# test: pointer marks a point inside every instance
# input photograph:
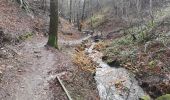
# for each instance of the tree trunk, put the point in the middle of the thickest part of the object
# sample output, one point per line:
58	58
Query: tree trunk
138	5
151	12
78	17
91	19
70	11
53	29
83	12
151	7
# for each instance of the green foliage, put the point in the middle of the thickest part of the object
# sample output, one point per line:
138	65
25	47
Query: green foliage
99	17
117	44
164	97
160	13
123	48
96	20
151	24
164	39
25	36
145	98
52	41
144	34
24	4
152	64
126	40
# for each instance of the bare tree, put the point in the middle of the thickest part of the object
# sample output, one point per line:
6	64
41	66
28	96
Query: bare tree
70	11
83	12
53	29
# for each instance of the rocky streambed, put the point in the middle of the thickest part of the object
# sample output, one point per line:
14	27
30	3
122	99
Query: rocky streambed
114	83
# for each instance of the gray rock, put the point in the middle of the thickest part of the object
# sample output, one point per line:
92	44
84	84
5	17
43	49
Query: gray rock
108	77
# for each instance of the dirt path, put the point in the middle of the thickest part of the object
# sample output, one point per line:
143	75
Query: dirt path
33	76
74	42
34	83
36	67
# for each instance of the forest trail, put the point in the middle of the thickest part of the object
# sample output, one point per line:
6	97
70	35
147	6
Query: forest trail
33	82
34	75
37	81
74	42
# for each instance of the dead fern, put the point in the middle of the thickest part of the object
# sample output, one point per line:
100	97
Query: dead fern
83	62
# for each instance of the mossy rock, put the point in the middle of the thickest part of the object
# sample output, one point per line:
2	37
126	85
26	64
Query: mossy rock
164	97
25	36
145	98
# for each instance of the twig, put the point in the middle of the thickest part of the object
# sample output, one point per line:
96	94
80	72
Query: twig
64	88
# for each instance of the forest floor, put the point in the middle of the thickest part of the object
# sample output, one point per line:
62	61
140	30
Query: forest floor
28	69
147	57
30	74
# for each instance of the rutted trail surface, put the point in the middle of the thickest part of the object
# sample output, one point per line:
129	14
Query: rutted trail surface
32	77
34	84
75	42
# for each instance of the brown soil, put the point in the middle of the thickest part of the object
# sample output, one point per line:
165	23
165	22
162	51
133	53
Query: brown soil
30	73
28	70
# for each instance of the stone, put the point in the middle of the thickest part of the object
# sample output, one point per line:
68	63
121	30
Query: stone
10	66
19	70
0	72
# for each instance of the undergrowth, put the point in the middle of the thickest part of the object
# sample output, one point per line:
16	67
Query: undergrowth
84	75
25	36
83	62
147	55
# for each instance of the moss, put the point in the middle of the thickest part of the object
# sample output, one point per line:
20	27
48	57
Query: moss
152	64
52	41
164	97
26	36
145	98
96	20
124	40
123	49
